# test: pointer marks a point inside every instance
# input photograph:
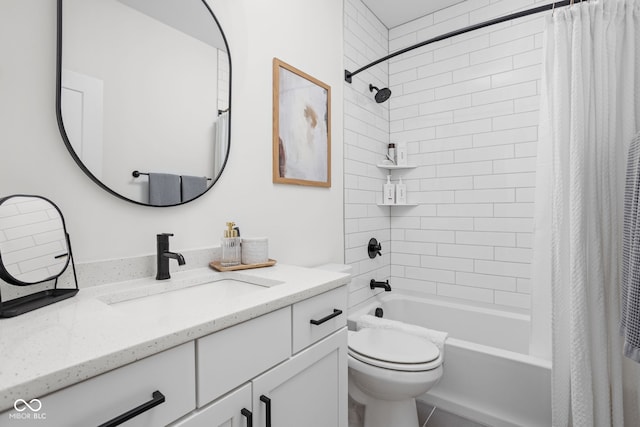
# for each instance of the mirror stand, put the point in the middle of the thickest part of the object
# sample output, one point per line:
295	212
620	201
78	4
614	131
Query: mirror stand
43	298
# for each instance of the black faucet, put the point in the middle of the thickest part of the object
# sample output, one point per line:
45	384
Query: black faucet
163	255
385	285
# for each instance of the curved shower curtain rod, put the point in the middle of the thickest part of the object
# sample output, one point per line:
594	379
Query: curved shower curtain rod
348	74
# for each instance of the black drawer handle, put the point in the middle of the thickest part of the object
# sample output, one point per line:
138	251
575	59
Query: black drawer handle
247	413
157	399
267	403
335	313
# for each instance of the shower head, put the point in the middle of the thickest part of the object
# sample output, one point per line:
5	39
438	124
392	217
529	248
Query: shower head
381	94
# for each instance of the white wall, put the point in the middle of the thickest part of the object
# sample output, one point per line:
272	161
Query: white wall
305	225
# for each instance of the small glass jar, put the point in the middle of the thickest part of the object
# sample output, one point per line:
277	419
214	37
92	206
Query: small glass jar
231	251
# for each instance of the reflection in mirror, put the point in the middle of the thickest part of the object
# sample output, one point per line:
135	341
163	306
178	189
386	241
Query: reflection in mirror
145	86
33	241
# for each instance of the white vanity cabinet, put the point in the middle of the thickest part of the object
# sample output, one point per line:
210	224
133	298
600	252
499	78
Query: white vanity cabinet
245	379
104	398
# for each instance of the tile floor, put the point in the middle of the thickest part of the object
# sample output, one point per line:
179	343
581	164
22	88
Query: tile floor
427	416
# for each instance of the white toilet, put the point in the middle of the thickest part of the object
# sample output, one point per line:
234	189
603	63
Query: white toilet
388	369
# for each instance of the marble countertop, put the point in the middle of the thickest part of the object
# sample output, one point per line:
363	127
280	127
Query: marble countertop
59	345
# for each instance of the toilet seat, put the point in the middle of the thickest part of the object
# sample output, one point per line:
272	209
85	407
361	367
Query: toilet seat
395	350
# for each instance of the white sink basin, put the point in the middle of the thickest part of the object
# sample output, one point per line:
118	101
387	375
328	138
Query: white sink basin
168	300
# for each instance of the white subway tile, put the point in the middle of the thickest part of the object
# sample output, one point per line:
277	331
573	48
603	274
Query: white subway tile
501	268
448	104
428	82
401	42
410	63
504	93
415	98
483	69
524	240
417	248
444	27
434	236
485	238
465	293
464	128
504	224
502	50
437	223
514	255
441	184
531	103
498	8
466	210
458	48
464	169
525	195
443	144
446	263
507	180
501	195
508	136
513	299
488	281
524	285
405	284
459	9
430	120
518	30
524	164
443	66
527	149
514	210
430	274
404	112
431	197
465	251
437	158
484	111
403	77
410	27
414	135
526	59
407	260
518	120
405	222
484	153
518	75
463	88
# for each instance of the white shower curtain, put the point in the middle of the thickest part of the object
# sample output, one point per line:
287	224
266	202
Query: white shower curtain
589	114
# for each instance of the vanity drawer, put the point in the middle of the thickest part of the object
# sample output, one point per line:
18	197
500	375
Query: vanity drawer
232	356
107	396
317	317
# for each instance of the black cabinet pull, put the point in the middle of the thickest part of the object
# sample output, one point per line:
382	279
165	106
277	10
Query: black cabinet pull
335	313
157	399
247	413
267	403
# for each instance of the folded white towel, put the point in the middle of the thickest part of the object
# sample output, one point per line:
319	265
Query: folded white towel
436	337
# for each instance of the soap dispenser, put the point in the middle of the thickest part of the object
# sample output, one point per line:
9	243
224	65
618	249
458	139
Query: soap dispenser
231	249
388	195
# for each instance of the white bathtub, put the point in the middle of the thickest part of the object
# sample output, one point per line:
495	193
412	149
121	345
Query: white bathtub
488	375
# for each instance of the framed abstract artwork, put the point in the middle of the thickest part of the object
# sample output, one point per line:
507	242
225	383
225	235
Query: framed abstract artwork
301	128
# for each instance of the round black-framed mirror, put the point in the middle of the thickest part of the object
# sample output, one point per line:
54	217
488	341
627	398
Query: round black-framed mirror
143	96
34	245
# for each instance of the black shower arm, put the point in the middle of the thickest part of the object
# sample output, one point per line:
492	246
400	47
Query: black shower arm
348	74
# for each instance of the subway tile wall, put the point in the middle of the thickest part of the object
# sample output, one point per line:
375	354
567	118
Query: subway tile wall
366	136
467	107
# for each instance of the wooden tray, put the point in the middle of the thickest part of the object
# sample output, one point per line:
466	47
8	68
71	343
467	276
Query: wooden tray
216	265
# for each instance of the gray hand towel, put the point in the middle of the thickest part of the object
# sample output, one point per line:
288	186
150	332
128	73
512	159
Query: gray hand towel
193	186
164	189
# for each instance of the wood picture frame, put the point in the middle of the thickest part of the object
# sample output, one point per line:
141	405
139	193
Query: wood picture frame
301	127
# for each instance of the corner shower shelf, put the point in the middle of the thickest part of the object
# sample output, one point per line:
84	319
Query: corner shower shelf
395	167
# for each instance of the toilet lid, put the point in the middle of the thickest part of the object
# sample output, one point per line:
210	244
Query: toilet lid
393	346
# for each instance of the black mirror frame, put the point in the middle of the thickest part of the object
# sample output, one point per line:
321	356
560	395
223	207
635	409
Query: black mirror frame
65	137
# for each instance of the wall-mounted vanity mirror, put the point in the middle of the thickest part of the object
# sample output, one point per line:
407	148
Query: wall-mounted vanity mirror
144	86
34	248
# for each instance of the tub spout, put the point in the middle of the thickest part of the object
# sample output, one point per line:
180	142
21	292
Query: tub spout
384	285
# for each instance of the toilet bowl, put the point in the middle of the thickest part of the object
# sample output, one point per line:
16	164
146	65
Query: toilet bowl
388	369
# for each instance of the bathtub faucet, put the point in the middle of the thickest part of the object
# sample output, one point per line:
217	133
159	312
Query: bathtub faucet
385	285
